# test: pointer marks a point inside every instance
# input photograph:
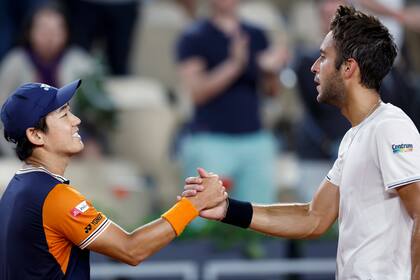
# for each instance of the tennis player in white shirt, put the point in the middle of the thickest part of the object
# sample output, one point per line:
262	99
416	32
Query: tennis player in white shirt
374	186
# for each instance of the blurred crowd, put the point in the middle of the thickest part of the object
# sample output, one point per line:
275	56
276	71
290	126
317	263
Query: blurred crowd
171	85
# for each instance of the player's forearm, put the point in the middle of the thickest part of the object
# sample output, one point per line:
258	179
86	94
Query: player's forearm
133	248
148	239
415	250
208	85
287	221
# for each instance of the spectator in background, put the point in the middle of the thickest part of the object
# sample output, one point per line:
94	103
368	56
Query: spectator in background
45	56
11	14
109	20
225	64
322	127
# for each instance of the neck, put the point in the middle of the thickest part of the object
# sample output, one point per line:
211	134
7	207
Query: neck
360	104
54	164
228	23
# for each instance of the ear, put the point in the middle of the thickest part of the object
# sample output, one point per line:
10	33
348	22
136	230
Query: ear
35	136
350	68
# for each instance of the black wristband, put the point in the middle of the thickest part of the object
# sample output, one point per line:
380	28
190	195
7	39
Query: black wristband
239	213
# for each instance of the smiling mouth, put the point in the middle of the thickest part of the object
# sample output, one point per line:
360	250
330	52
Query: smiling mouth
76	135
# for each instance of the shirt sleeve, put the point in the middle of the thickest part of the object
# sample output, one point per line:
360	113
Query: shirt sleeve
188	46
334	175
68	213
398	146
262	42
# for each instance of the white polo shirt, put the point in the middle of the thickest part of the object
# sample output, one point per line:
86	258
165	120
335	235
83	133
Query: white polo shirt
375	157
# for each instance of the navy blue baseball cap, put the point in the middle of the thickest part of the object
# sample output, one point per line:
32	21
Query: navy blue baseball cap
30	102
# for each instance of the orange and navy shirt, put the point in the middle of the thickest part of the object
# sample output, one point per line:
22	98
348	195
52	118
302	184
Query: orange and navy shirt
45	226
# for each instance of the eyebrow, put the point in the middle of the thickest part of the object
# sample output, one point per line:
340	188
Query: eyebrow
62	108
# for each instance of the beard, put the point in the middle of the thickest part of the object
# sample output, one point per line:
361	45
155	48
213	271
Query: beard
332	92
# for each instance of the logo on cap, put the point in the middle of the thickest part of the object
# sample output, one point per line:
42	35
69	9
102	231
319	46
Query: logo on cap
45	87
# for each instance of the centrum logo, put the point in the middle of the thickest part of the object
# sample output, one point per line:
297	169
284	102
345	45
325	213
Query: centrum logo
402	148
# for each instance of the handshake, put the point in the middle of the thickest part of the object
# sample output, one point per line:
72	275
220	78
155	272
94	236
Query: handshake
207	194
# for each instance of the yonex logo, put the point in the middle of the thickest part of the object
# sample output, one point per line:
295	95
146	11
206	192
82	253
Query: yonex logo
95	221
88	228
402	148
45	87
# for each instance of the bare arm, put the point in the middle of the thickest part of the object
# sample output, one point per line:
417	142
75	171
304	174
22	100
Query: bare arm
202	85
410	196
305	220
133	248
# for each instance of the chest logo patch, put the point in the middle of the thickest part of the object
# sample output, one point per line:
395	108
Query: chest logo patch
79	209
402	148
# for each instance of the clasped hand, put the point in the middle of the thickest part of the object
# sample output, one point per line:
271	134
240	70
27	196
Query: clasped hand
195	185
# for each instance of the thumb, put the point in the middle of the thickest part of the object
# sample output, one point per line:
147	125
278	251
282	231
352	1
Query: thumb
203	173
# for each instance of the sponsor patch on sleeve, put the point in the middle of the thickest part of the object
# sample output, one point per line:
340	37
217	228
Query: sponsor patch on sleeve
402	148
79	209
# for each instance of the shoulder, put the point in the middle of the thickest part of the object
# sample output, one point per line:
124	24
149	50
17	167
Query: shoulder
256	35
252	29
15	52
393	123
75	53
38	177
196	29
33	186
65	199
75	63
14	57
193	40
392	116
64	192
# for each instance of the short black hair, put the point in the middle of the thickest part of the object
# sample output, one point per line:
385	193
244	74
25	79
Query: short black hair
24	147
365	39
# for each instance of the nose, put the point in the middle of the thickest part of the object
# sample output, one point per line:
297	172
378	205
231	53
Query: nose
75	120
315	66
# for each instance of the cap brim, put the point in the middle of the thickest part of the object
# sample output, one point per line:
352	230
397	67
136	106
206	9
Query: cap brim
65	93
